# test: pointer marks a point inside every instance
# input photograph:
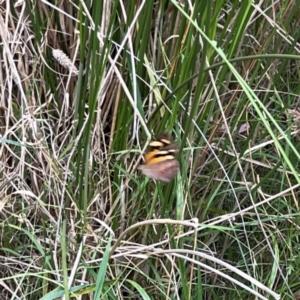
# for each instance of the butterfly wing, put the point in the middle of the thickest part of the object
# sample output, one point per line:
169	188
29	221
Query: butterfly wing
160	162
163	171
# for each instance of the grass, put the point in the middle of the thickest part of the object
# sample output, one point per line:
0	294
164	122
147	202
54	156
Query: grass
86	86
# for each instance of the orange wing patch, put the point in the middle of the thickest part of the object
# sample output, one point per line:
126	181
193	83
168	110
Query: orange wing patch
160	162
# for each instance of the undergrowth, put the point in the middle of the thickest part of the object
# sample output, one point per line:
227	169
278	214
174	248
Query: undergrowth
85	86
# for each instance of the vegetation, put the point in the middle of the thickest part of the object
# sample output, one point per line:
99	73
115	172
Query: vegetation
85	86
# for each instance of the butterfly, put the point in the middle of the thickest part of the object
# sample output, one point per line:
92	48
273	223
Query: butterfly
160	162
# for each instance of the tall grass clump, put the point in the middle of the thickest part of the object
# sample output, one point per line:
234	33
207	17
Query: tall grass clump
85	86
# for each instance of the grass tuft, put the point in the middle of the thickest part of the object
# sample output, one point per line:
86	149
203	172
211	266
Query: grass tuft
85	86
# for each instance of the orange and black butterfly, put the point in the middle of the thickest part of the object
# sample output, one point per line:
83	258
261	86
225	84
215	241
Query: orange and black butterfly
160	162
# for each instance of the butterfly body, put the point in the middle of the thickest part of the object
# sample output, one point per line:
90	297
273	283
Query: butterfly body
160	162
